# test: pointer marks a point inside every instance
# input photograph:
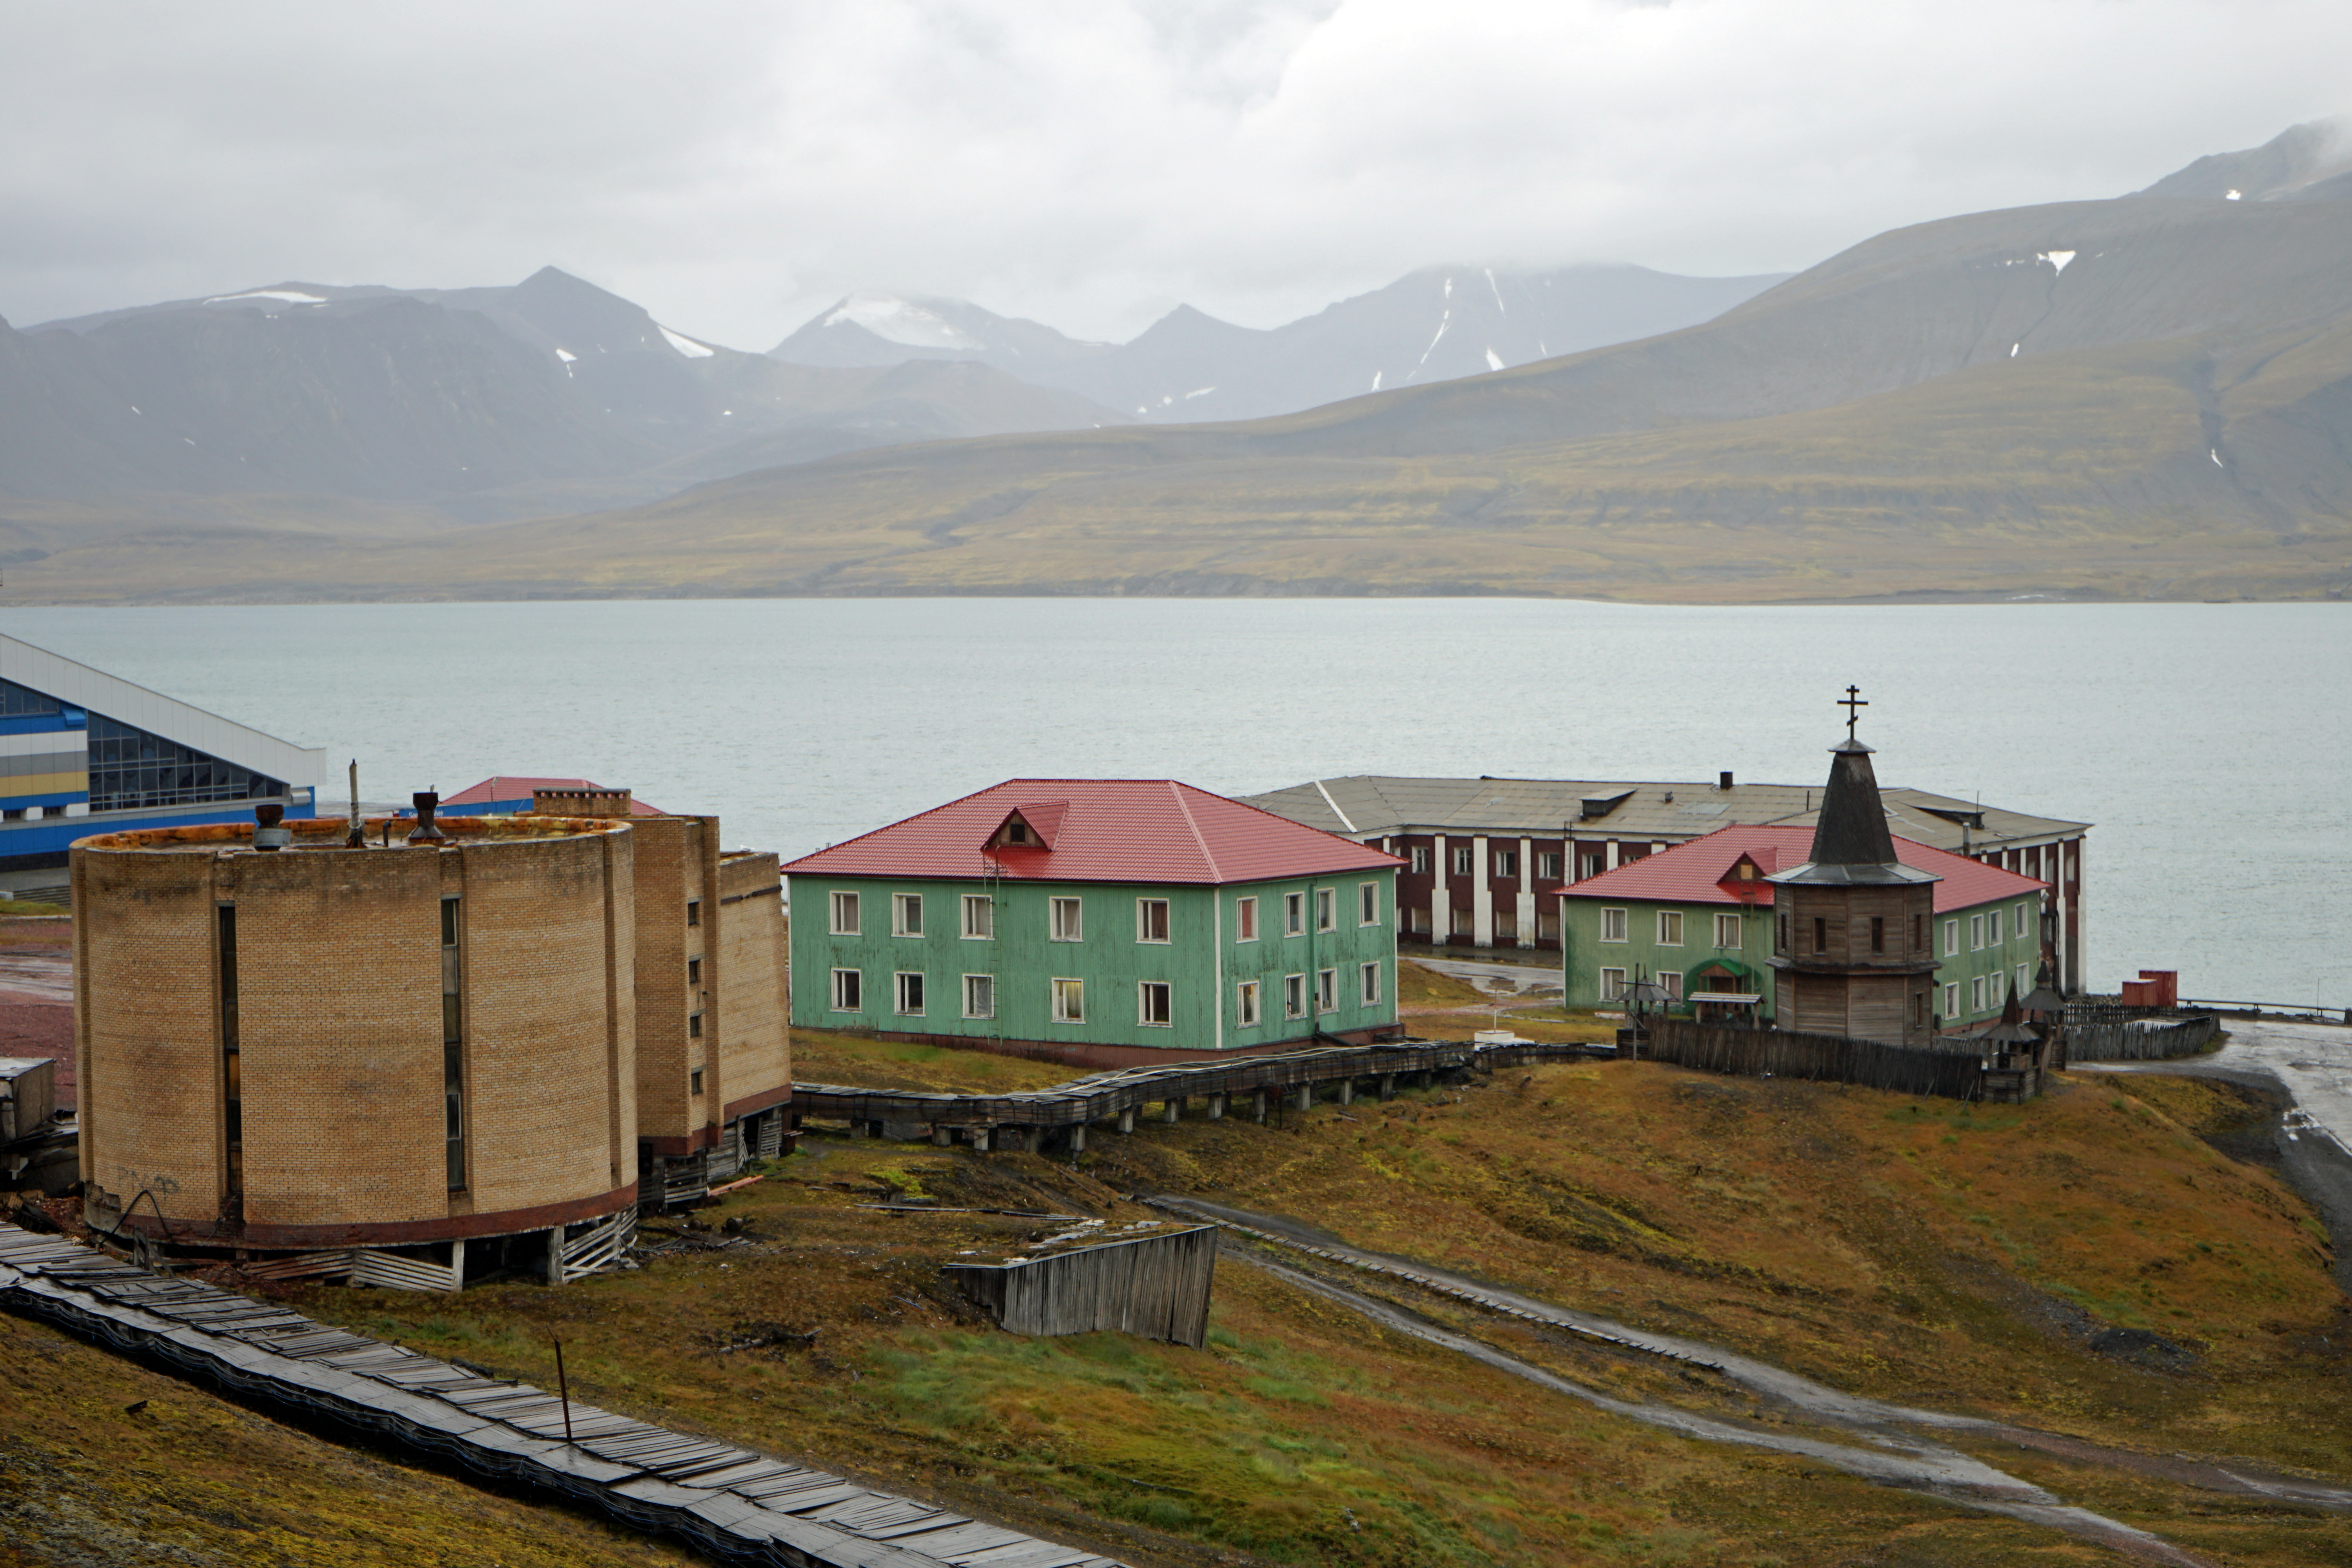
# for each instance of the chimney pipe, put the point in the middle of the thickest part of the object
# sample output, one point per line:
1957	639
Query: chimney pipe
269	834
428	801
1723	780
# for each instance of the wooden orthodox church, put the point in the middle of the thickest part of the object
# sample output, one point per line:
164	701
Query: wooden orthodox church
1853	927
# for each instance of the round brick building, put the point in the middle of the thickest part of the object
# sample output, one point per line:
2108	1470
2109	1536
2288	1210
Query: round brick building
373	1055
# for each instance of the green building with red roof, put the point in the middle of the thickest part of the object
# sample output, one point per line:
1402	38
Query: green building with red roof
1697	917
1100	922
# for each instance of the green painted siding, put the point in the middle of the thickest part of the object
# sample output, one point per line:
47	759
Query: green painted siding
1204	962
1969	958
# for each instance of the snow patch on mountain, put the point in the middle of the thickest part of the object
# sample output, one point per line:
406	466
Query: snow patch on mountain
287	295
898	321
1494	359
686	346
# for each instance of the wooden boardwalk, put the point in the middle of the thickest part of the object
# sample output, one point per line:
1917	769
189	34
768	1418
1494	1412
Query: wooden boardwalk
1019	1119
730	1502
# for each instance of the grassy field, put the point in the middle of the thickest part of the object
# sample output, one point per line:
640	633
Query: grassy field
825	1055
1964	1259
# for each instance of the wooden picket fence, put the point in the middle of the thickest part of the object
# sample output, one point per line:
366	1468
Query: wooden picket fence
2141	1039
1831	1059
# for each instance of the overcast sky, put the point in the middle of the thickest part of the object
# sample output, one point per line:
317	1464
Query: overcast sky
736	168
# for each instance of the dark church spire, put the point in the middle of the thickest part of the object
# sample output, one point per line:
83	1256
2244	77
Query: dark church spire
1851	843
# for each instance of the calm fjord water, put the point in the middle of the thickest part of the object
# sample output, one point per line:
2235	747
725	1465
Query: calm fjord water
2208	742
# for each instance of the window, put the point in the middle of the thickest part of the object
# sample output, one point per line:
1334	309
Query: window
1293	913
1507	926
1367	903
1726	931
847	986
1462	862
1548	864
1367	984
694	1081
694	1026
1294	995
694	911
1327	990
2023	984
1992	928
1327	910
1782	944
453	1039
1976	994
1670	980
1152	919
694	971
1951	937
1507	862
910	993
905	914
1612	985
1820	934
1952	1000
1670	928
979	917
1878	933
1918	1007
1589	864
1153	1005
980	995
1466	923
844	914
1420	859
1244	920
1918	945
1975	932
130	770
1069	1001
1613	925
1245	1004
1069	920
2024	923
1547	927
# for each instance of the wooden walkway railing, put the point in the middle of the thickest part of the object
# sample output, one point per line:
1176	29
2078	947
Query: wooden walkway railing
731	1503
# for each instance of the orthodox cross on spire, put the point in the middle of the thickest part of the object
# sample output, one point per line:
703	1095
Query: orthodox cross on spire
1852	702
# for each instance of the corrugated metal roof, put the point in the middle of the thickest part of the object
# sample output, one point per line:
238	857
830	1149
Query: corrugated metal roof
1373	805
1109	830
1695	873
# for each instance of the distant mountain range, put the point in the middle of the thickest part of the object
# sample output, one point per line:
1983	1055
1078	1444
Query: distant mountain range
2149	395
1437	324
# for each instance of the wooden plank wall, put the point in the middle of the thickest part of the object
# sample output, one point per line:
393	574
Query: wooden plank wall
1156	1287
1788	1052
2125	1042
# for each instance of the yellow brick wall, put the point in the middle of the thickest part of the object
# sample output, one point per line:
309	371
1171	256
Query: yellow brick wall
669	858
754	969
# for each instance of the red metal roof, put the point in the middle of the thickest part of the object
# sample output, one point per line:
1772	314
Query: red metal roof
504	786
1693	873
1108	830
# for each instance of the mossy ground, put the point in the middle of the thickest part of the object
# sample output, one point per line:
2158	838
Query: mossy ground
1953	1258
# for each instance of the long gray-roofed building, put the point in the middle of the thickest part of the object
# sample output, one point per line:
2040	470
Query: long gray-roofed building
1485	857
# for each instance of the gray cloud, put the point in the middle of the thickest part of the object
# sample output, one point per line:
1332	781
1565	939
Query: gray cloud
735	167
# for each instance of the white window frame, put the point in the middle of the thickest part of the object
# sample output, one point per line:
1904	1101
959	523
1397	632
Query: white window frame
1669	921
1420	859
845	910
1367	903
1294	995
1952	937
986	990
1506	863
1327	990
2024	981
1465	861
1246	1012
856	978
1975	932
1294	914
2024	919
1612	984
899	988
1245	919
1976	992
1992	928
1613	925
1671	982
979	918
1066	989
1327	909
1143	908
902	906
1727	932
1143	990
1066	918
1368	984
1951	1000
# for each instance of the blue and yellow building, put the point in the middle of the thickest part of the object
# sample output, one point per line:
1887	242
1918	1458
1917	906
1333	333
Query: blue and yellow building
84	753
